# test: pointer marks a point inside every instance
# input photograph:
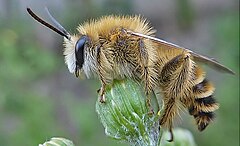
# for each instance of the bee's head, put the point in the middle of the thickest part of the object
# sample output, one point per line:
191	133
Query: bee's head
74	46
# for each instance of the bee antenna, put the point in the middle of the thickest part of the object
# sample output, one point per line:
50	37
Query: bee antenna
55	22
59	29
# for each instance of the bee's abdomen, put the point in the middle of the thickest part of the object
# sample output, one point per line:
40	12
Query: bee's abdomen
204	104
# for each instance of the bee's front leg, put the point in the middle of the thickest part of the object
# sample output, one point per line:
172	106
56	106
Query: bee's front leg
101	93
102	97
102	64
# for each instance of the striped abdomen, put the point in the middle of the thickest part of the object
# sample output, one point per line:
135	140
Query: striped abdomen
204	103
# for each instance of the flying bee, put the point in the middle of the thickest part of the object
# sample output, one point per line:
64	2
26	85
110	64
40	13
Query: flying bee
119	47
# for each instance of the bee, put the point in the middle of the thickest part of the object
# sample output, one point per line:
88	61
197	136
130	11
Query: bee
119	47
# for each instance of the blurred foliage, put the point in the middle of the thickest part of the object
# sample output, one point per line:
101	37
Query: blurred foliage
22	62
185	14
94	9
29	117
225	130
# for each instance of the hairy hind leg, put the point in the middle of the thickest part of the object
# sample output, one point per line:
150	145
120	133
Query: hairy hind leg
176	77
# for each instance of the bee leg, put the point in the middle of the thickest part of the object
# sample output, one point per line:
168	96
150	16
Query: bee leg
169	113
149	105
171	135
102	98
98	91
101	74
145	74
176	82
148	91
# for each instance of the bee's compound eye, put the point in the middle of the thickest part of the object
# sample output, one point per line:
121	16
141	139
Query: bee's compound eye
79	51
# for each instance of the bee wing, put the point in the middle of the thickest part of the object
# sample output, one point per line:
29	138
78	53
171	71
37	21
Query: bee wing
212	62
197	57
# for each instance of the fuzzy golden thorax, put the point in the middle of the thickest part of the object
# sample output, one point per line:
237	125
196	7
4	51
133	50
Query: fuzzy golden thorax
107	34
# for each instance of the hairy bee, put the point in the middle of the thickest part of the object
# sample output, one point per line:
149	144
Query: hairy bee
118	47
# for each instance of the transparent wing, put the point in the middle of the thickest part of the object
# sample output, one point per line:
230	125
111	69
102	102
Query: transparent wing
197	57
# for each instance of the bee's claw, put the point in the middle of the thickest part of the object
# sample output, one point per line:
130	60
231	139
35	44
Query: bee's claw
171	136
151	111
149	105
102	99
186	56
98	91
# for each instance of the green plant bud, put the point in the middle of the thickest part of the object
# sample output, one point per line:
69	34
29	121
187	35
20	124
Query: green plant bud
125	116
182	137
58	141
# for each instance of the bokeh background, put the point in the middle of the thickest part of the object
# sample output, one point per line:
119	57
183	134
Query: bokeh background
40	99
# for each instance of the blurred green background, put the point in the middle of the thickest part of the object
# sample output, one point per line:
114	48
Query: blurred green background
40	99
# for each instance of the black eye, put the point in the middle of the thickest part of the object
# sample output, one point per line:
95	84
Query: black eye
79	51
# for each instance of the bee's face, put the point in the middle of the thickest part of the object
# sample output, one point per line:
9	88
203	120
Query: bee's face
74	53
